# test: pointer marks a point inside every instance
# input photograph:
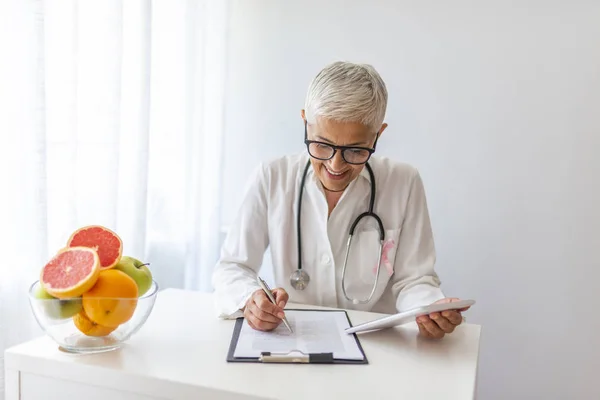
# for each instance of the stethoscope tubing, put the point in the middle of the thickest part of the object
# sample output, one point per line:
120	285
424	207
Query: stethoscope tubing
368	213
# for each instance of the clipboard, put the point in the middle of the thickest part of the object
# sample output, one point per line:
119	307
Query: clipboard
294	356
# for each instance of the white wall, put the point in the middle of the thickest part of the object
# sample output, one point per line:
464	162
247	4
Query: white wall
498	105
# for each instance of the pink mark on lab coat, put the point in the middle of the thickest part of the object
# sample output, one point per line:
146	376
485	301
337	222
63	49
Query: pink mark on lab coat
387	246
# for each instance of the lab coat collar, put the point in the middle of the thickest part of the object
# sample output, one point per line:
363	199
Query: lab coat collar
365	173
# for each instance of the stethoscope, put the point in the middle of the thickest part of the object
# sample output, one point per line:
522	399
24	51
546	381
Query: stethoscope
300	278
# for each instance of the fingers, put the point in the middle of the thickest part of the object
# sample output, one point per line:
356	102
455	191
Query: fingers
437	324
261	314
281	297
454	317
256	321
429	328
263	304
423	331
442	322
260	325
249	319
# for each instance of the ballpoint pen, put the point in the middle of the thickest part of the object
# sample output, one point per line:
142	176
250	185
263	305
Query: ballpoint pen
267	290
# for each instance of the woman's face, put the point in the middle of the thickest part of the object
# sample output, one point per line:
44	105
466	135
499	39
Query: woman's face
336	174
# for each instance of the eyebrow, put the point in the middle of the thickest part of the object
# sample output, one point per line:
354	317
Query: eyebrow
330	142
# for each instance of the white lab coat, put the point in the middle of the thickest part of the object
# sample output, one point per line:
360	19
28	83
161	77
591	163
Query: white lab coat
267	218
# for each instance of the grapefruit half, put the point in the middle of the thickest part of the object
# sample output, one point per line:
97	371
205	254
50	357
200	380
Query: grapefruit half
71	272
107	243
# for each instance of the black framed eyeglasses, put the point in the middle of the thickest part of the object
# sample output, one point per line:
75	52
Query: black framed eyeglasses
325	151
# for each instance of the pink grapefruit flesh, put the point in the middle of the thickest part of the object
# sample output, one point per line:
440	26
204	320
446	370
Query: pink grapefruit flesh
107	244
71	272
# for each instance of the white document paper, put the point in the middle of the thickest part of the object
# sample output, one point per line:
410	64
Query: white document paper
314	332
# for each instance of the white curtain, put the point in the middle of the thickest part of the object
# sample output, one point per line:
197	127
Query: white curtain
110	113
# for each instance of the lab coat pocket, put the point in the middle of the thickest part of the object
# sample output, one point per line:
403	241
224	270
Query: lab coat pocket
365	253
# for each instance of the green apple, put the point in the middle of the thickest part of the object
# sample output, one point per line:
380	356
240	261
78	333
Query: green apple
55	308
138	271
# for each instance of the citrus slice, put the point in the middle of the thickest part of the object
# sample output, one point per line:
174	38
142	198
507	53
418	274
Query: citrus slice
71	272
107	244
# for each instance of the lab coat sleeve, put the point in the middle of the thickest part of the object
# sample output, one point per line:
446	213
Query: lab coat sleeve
415	280
234	276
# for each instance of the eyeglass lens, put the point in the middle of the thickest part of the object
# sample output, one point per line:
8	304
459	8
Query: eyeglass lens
323	151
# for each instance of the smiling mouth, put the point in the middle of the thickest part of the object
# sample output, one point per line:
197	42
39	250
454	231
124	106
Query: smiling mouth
335	174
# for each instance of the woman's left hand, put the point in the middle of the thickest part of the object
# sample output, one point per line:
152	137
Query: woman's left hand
437	325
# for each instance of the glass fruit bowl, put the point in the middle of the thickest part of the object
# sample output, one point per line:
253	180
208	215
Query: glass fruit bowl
66	321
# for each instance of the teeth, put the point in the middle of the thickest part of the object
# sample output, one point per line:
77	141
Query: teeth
333	173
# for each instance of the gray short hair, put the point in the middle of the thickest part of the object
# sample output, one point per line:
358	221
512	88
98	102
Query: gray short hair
347	92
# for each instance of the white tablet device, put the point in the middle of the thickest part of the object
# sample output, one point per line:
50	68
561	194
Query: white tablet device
407	316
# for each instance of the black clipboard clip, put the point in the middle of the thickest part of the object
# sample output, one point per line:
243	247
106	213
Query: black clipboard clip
296	356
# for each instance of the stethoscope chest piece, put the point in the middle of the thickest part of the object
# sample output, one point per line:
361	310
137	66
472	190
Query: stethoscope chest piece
299	279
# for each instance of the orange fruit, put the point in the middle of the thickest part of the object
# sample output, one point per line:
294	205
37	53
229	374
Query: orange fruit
107	243
89	327
112	300
71	272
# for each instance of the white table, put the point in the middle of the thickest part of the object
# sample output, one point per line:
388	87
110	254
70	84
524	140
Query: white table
181	354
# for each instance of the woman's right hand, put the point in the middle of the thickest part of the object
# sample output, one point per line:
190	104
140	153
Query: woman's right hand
263	315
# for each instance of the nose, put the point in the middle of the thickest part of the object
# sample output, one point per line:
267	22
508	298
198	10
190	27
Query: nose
337	163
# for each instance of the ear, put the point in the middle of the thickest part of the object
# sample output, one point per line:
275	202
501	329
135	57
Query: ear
379	134
303	114
381	130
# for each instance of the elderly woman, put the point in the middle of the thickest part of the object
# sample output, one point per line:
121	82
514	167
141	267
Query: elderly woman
304	207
